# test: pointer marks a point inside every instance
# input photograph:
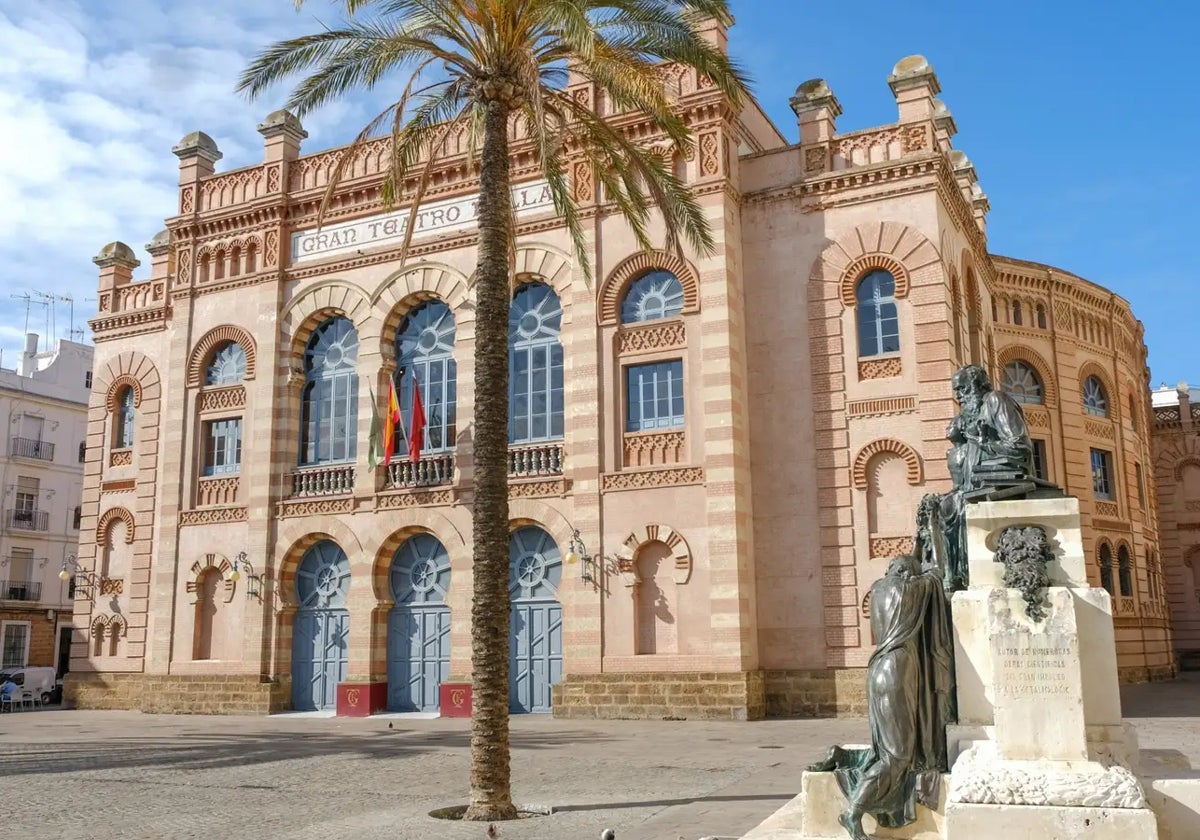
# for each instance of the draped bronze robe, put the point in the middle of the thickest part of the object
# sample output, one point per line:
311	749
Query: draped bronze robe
909	694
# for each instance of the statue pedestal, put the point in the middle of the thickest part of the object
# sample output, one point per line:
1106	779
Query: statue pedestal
1040	749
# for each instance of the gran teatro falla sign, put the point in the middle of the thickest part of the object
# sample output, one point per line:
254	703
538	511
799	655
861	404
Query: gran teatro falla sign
440	217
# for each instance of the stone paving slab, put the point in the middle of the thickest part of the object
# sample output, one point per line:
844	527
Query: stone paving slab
68	774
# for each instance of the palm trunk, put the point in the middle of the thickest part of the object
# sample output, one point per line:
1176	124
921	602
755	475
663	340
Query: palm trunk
491	794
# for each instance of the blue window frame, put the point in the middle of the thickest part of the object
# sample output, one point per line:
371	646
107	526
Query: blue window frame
658	294
878	324
123	431
228	365
654	395
425	354
329	410
535	365
223	447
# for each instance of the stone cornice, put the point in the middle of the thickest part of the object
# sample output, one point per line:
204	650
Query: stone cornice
126	324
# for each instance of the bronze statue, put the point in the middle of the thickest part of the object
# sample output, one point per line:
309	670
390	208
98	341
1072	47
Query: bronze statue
910	694
991	441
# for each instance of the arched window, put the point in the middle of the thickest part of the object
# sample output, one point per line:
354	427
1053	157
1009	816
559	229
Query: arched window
1124	572
425	355
878	325
329	411
657	294
123	429
1016	312
228	365
995	314
1133	417
1021	382
1106	577
1095	401
535	365
1041	317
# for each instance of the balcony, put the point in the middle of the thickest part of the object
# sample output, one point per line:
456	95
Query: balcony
334	480
27	520
20	590
218	490
38	450
535	461
430	471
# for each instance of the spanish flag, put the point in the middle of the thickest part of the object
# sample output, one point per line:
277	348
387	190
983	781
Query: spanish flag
390	422
416	437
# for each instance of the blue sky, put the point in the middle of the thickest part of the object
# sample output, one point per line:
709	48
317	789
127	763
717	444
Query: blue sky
1080	119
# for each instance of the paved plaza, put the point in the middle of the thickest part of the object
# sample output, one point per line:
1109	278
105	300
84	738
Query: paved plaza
68	774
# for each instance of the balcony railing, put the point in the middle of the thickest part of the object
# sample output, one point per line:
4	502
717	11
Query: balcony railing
27	520
431	470
536	460
20	590
28	448
323	481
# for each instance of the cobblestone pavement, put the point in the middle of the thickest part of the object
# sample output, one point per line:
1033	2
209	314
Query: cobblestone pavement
66	774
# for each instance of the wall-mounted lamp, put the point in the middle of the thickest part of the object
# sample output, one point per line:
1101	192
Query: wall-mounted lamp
590	566
253	580
84	580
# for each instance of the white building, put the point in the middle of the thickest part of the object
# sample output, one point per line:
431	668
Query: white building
43	406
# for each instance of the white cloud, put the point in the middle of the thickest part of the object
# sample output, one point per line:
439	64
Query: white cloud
93	95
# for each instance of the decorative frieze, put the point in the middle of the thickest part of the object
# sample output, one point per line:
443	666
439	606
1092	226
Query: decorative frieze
213	516
555	487
1036	418
654	449
884	547
1106	509
314	507
666	336
414	498
881	407
879	368
222	399
217	491
120	486
112	586
1097	429
641	479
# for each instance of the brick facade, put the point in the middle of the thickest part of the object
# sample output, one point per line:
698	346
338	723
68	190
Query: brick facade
720	564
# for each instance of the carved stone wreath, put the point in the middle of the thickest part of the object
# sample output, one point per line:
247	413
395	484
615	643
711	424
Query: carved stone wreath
1025	552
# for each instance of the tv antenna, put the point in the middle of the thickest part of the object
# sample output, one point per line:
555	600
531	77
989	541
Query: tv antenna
29	301
48	305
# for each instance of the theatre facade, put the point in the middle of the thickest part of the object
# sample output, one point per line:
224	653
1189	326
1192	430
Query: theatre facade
712	457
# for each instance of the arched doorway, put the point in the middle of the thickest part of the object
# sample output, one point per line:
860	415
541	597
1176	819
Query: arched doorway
418	640
535	642
321	628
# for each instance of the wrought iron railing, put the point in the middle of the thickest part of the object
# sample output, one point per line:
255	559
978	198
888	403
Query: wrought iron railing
20	590
27	520
28	448
431	470
536	460
323	481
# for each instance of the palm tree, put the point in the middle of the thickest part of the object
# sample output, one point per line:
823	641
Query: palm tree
483	65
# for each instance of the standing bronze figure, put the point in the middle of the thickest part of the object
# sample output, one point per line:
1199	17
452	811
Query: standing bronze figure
910	695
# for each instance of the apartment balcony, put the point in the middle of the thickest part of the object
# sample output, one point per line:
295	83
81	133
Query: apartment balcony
331	480
29	591
37	450
432	470
535	461
27	520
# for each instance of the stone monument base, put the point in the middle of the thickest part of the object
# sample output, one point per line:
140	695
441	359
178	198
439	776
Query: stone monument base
1048	822
813	815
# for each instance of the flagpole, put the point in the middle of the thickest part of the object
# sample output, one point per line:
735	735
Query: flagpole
403	425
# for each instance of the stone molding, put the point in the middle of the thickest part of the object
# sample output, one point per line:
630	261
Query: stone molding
861	266
210	341
1021	353
647	449
120	383
680	553
881	407
106	520
222	399
911	458
400	500
554	487
643	338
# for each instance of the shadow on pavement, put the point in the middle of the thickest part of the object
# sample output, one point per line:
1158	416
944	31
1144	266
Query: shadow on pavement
201	751
1178	698
667	803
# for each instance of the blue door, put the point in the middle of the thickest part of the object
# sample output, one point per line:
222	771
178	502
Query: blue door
321	628
418	641
535	643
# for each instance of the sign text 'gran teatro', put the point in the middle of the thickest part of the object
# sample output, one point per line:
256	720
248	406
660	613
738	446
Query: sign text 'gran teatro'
452	215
